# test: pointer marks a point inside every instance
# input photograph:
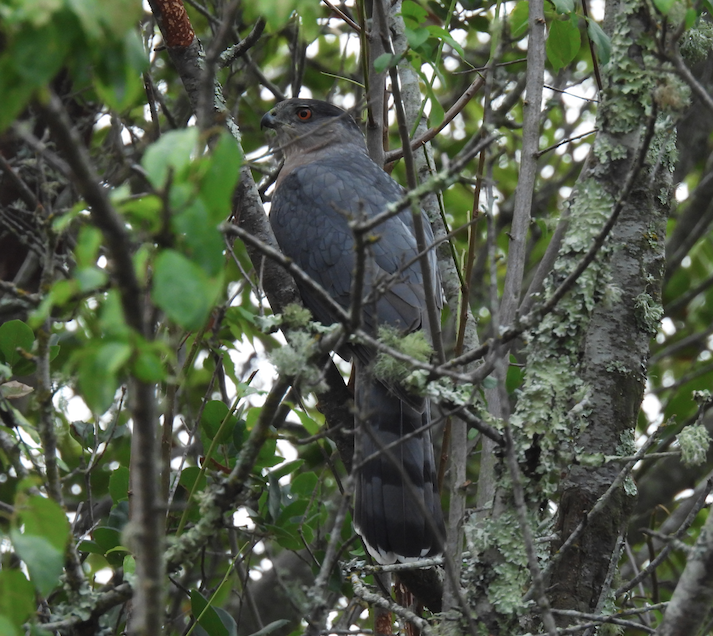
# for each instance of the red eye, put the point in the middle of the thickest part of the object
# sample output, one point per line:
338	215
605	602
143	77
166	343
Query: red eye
303	114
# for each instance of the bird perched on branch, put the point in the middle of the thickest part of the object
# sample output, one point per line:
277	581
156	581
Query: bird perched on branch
328	181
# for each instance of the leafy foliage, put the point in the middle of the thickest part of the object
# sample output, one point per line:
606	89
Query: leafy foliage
70	353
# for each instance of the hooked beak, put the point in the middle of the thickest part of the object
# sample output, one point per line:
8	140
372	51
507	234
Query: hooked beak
269	120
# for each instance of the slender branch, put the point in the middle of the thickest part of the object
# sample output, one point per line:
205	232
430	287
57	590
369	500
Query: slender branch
379	601
528	165
210	98
149	524
24	191
686	75
429	284
238	50
316	620
450	115
343	16
651	567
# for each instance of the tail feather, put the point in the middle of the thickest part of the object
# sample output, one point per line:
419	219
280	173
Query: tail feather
397	509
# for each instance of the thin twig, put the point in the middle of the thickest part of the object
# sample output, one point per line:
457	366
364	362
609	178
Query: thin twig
450	115
690	518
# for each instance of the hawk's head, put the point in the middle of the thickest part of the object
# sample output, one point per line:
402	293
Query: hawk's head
307	125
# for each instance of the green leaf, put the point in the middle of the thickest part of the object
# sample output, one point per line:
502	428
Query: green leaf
214	413
384	61
274	497
117	73
201	235
519	19
442	34
83	432
304	484
7	628
206	615
182	290
43	560
601	41
91	547
218	182
563	43
691	16
45	518
170	154
564	6
90	278
664	6
88	243
189	476
98	371
15	334
119	484
17	598
416	37
411	9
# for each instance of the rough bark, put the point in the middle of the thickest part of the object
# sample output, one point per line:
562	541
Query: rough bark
604	327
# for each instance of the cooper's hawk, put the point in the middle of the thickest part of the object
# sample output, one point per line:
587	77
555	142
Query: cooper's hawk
327	180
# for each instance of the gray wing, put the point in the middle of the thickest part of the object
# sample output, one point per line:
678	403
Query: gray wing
309	216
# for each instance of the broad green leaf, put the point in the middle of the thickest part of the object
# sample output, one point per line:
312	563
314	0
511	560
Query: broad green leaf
601	41
564	6
287	468
189	476
274	497
91	547
416	37
518	19
563	43
413	10
304	484
45	518
101	19
119	484
691	16
214	413
384	61
442	34
35	12
201	235
218	182
171	154
206	615
90	278
311	426
83	432
88	243
17	598
111	317
148	367
43	560
38	54
664	6
182	290
98	369
117	73
7	628
14	335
